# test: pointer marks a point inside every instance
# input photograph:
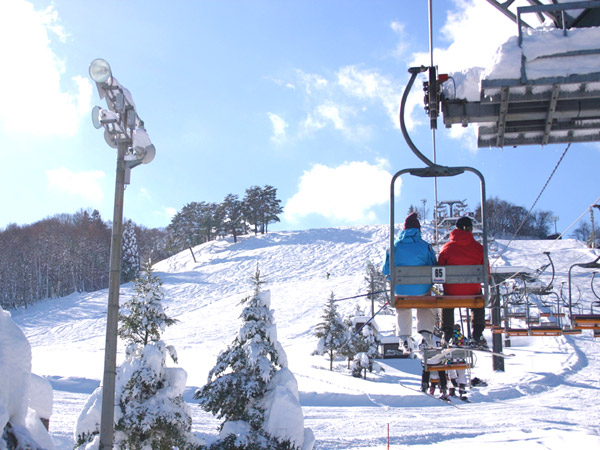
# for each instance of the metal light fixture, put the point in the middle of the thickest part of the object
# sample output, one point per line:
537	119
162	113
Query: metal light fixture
100	70
143	150
123	130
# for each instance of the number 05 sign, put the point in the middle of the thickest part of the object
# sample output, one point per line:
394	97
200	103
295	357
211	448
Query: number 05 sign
438	274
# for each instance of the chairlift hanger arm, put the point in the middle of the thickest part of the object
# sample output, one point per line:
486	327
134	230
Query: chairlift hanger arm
414	71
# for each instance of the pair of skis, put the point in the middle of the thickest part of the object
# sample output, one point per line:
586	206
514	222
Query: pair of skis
444	400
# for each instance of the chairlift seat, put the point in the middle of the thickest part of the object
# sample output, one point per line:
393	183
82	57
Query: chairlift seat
449	366
586	321
545	331
439	301
551	314
453	275
517	332
438	359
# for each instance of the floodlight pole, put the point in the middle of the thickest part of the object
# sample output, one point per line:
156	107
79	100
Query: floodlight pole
125	131
112	319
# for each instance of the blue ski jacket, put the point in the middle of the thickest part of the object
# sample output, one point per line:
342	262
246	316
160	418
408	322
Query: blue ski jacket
411	250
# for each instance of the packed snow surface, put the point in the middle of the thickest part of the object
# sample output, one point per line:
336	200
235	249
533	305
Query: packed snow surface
547	397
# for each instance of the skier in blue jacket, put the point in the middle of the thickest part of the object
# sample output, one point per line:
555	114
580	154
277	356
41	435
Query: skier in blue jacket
411	250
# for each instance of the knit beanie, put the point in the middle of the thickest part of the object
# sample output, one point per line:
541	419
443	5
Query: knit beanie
412	221
464	222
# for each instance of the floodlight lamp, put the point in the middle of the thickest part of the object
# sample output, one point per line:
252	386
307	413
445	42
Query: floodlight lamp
96	111
110	139
143	149
100	71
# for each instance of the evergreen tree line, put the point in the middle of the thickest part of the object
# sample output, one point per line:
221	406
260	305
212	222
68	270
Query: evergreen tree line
200	222
504	219
68	253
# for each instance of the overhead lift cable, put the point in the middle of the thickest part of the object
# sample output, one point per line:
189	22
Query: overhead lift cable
535	202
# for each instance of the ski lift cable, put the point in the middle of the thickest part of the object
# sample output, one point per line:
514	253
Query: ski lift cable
560	236
535	202
576	220
360	295
557	238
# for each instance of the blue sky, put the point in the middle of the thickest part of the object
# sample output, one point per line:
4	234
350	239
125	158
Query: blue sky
301	95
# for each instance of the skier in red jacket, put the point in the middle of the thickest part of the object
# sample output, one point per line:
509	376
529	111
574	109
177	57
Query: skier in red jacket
463	250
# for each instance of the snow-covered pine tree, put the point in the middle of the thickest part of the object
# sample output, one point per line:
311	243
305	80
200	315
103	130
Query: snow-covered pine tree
130	257
252	389
377	287
349	349
151	412
366	351
332	332
142	319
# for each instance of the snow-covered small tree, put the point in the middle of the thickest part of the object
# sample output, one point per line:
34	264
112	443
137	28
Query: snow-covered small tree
142	319
349	348
332	332
366	351
130	256
252	389
377	287
151	412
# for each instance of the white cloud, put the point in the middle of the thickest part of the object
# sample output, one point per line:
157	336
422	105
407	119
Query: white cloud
351	95
402	46
473	31
279	126
370	85
82	184
32	99
324	114
344	193
311	82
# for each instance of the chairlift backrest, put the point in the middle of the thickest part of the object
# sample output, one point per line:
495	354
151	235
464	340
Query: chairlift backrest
439	274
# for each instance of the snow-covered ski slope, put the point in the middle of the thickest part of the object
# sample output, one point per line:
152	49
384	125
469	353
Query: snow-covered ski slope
547	398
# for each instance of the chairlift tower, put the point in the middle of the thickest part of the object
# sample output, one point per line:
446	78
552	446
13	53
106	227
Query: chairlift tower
531	109
460	204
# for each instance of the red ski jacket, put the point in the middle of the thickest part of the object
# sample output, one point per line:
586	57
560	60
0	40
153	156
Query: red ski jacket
461	250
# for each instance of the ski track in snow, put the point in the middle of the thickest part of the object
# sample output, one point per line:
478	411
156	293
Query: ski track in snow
547	397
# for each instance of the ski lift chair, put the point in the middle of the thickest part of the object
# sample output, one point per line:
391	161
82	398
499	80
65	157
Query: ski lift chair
584	321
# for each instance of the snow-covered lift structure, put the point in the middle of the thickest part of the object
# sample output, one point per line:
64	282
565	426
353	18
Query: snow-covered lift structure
543	89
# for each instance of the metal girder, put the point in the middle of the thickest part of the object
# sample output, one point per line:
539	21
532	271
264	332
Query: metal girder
502	117
550	115
457	112
514	114
551	11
